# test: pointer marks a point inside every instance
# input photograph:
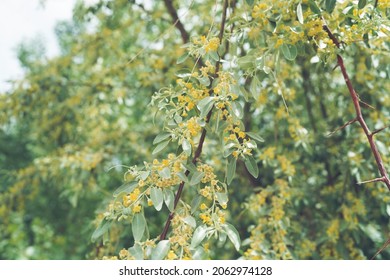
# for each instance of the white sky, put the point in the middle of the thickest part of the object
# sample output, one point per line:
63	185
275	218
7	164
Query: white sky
27	19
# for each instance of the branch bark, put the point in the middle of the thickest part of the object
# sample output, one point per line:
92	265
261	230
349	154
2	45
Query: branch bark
176	21
359	116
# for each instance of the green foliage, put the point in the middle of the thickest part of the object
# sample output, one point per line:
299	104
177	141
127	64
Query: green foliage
221	133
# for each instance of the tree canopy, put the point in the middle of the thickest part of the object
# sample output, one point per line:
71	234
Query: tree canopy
201	130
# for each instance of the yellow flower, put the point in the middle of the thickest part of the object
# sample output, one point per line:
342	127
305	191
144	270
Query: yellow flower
203	206
212	45
137	208
171	255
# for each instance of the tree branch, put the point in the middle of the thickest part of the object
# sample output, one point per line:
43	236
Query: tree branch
198	150
176	21
359	116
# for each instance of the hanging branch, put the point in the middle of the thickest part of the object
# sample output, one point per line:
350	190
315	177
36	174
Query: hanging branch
359	117
198	150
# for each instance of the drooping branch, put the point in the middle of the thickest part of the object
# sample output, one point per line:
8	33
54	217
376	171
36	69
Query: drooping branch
359	116
202	139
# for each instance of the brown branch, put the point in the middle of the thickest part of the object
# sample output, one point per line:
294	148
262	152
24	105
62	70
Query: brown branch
198	150
359	116
342	127
387	243
176	21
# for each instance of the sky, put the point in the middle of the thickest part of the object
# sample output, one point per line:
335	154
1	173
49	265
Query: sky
25	20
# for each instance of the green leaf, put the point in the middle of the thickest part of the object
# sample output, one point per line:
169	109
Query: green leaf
101	229
314	8
222	198
169	199
199	254
165	173
198	236
157	197
214	55
204	81
125	188
289	51
300	14
246	62
138	226
160	147
254	88
182	176
187	148
254	136
251	166
362	4
189	220
195	203
161	250
182	58
205	106
137	252
250	2
161	137
233	235
329	5
231	169
237	109
196	178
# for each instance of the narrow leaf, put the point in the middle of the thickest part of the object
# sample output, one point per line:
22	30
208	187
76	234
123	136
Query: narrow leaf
161	250
187	148
138	226
329	5
195	203
300	14
189	220
254	136
160	147
231	169
198	236
233	235
182	176
157	197
314	8
169	199
165	173
362	4
125	188
237	109
205	106
161	137
137	252
101	229
196	178
251	166
222	198
182	58
289	51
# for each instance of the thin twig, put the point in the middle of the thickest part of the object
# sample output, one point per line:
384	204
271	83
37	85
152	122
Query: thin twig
359	116
387	243
342	127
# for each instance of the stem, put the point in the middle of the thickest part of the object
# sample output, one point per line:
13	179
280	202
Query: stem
198	150
359	116
176	21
